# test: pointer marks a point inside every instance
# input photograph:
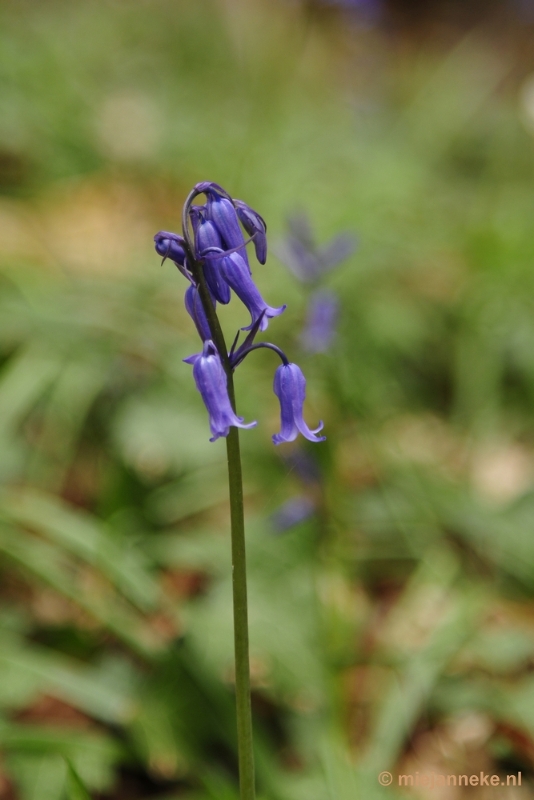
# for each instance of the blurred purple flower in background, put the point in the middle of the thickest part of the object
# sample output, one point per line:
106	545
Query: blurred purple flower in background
321	321
304	258
304	466
368	10
291	513
309	263
303	506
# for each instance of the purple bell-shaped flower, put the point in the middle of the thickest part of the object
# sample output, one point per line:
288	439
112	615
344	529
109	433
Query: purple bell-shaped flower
255	226
211	382
290	388
170	245
207	241
222	213
195	309
321	320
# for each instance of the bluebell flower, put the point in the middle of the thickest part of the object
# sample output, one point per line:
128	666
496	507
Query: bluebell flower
321	319
214	244
290	388
236	274
255	226
222	213
307	261
170	245
196	215
211	382
304	466
195	309
207	240
291	513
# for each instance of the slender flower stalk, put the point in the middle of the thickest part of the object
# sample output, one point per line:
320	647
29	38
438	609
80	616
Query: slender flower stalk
212	255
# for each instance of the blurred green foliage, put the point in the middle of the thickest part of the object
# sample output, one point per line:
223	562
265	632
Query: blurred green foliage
400	616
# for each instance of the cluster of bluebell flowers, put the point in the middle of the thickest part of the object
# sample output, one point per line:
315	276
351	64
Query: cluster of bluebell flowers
212	255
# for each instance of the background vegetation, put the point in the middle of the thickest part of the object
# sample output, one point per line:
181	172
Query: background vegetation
393	628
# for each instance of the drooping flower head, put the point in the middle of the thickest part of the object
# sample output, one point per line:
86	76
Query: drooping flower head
212	255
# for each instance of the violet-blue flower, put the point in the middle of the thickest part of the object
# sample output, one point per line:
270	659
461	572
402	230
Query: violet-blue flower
222	213
211	382
290	388
255	226
212	256
308	262
236	274
195	309
207	240
170	245
304	465
291	513
321	321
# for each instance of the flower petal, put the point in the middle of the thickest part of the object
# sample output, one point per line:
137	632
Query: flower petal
224	216
207	239
255	226
236	274
195	309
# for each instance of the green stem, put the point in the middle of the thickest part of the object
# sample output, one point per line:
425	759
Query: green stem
239	582
239	564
